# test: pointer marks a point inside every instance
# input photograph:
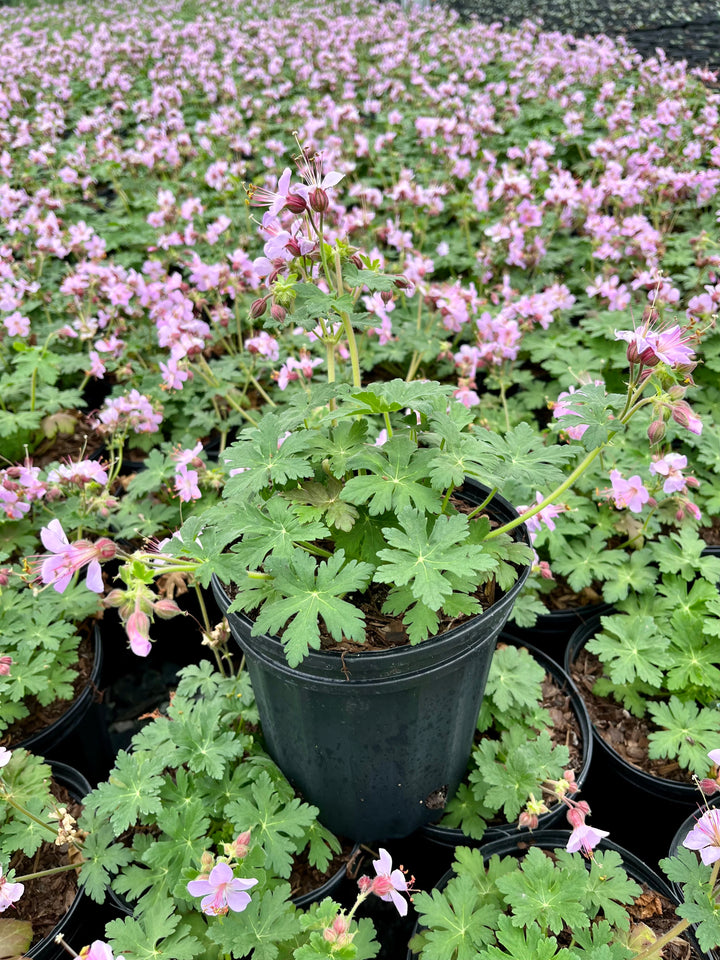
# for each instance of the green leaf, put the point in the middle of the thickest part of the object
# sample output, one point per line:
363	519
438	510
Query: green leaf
422	557
308	592
524	944
607	886
584	561
266	457
131	791
458	922
689	731
159	935
267	922
367	278
276	826
325	500
631	649
396	479
540	893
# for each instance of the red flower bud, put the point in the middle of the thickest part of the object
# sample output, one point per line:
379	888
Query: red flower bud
166	608
5	664
402	283
293	247
278	313
319	200
386	296
115	598
295	203
709	787
106	549
656	431
258	307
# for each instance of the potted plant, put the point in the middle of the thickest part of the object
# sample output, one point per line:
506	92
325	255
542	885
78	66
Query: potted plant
197	822
354	502
521	764
560	894
40	846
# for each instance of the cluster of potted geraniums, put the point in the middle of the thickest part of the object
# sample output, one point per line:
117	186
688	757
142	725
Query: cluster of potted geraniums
374	503
572	895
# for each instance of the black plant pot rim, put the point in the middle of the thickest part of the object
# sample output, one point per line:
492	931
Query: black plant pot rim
453	836
373	665
46	739
657	786
79	787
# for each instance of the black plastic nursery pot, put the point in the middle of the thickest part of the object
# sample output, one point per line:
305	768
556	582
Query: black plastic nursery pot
377	740
636	868
84	921
615	786
78	737
454	837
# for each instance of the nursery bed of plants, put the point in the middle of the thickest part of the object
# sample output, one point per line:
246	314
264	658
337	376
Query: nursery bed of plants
358	374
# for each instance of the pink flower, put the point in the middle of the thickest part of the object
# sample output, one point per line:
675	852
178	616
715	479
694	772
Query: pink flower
186	484
221	891
546	515
705	835
585	838
275	200
389	883
650	346
67	558
670	467
683	414
138	631
98	951
628	493
5	756
5	664
9	892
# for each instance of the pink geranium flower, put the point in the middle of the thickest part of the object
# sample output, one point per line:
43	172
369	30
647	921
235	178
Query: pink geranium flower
670	467
99	951
389	883
68	558
9	892
705	835
186	484
221	891
628	493
585	838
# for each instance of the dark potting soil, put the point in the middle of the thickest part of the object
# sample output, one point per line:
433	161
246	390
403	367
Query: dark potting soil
305	878
563	597
711	534
41	717
626	734
658	913
47	899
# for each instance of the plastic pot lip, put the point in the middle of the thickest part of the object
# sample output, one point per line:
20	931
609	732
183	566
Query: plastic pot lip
658	786
564	618
77	784
325	889
453	836
46	739
435	649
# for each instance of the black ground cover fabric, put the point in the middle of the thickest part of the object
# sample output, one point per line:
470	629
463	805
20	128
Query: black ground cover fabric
688	30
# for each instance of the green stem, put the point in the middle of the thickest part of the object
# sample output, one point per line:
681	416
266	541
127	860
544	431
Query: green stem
46	873
503	399
447	496
203	608
577	472
312	548
415	359
485	502
388	425
26	813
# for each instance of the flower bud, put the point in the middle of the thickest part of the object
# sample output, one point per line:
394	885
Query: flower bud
293	247
656	431
356	259
709	787
166	608
527	820
338	931
242	844
386	296
319	200
677	391
365	884
295	203
207	862
5	664
115	598
402	283
5	576
278	313
106	549
258	307
682	414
